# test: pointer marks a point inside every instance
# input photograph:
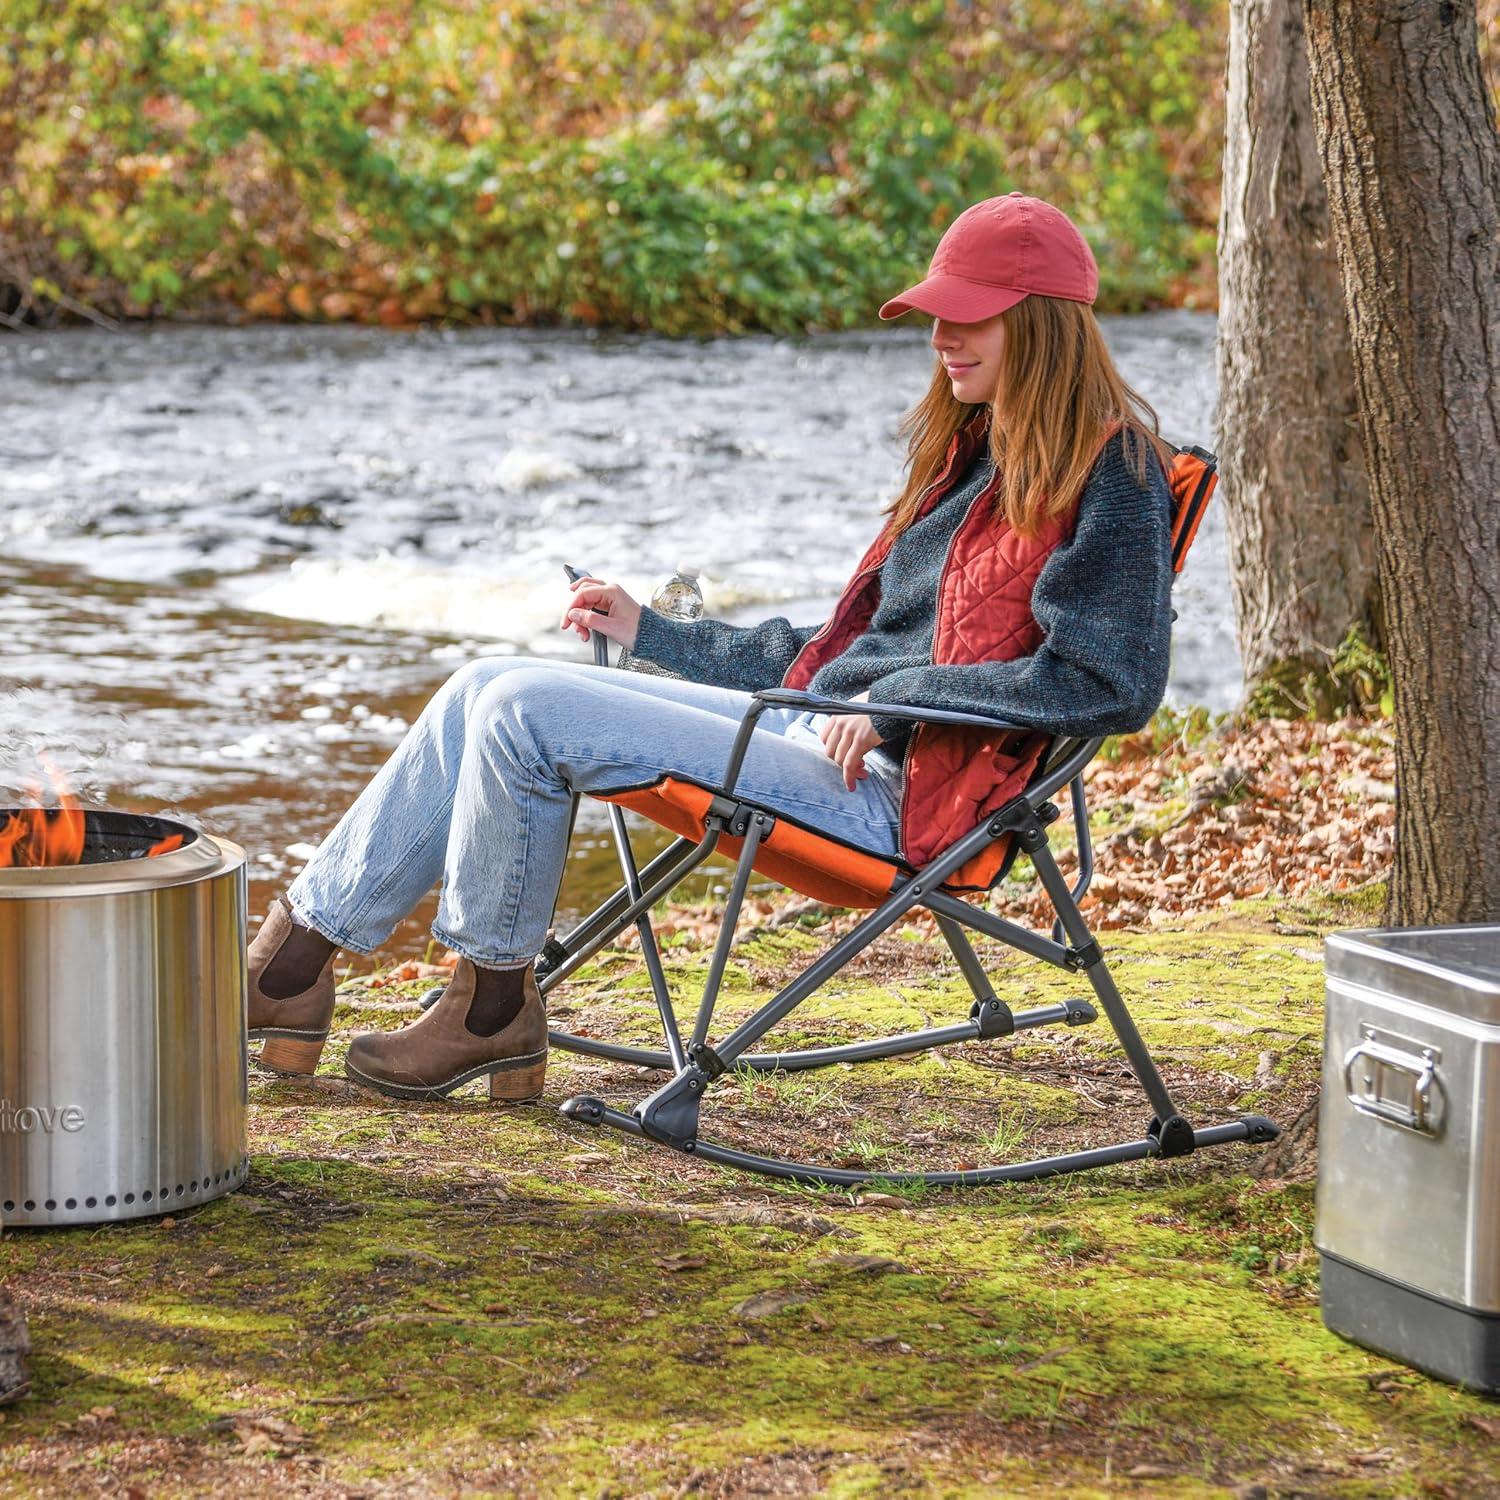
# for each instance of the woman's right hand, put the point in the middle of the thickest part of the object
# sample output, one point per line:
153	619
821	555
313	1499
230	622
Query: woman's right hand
621	615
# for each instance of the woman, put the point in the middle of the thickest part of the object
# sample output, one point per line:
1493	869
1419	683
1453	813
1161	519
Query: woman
1023	573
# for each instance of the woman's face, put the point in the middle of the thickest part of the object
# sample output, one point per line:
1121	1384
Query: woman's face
970	353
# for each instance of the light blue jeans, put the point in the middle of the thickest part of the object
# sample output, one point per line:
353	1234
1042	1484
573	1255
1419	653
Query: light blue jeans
479	792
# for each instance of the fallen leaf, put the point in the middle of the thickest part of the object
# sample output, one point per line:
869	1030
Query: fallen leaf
1046	1358
339	305
265	304
767	1304
680	1262
260	1434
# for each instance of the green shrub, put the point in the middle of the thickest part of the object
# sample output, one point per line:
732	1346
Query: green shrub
685	166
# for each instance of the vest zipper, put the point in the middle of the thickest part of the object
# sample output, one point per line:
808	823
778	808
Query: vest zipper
911	739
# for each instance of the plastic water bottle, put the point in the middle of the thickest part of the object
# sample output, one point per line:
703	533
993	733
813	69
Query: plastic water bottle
679	598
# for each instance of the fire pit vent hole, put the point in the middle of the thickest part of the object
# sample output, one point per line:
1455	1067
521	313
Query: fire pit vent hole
155	1196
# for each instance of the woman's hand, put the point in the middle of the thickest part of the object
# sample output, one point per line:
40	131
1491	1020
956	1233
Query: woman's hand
846	738
621	616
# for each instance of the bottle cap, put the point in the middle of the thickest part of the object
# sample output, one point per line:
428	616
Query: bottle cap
689	570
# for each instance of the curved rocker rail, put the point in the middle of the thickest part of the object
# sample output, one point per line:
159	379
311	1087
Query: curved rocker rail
1253	1128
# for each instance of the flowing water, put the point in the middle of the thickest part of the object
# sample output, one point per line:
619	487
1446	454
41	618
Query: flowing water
234	563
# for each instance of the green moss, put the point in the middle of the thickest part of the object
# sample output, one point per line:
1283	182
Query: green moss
454	1296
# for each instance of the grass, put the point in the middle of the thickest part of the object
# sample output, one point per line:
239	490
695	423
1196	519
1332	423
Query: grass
450	1298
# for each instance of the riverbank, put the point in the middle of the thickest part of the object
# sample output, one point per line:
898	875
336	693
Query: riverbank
673	167
415	1298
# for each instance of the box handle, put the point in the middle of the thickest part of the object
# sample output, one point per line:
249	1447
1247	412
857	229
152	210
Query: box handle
1391	1084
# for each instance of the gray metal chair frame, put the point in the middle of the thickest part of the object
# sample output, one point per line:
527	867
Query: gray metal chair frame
670	1115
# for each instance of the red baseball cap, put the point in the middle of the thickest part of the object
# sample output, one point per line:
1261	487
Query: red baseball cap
996	253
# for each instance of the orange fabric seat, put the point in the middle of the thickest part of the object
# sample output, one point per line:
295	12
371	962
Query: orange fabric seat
813	863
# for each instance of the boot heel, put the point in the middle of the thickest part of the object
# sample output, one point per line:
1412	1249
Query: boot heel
519	1085
283	1055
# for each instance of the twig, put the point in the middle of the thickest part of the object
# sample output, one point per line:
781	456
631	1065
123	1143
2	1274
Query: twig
393	1320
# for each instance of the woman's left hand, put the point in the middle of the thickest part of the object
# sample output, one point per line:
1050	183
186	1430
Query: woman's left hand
846	738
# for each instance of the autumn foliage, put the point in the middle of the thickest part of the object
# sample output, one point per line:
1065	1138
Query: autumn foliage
690	166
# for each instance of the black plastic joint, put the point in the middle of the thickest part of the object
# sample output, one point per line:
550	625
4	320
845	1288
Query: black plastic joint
1174	1136
737	825
993	1017
1087	956
1033	833
708	1062
553	953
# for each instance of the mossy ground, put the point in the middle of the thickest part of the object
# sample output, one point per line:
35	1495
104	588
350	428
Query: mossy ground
449	1298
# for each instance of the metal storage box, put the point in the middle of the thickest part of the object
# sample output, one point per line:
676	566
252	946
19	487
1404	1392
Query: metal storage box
1408	1232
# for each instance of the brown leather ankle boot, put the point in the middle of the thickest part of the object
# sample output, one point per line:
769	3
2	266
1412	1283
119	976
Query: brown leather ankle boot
293	1029
438	1053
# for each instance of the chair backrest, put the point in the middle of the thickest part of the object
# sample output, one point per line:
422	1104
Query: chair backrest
1192	475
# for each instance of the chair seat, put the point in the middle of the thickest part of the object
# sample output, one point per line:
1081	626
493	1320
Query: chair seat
807	860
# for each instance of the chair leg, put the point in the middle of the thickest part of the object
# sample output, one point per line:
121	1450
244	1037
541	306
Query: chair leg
755	829
607	920
650	953
1177	1135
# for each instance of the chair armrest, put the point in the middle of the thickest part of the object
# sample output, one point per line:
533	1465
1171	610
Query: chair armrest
791	698
1077	756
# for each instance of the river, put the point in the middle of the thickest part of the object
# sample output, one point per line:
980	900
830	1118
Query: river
234	563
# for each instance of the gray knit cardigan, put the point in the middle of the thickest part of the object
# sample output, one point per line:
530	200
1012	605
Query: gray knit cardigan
1102	600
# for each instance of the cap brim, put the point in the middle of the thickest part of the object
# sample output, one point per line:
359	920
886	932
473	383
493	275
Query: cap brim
943	295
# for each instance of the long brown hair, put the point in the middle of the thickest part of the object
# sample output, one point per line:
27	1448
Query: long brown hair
1058	395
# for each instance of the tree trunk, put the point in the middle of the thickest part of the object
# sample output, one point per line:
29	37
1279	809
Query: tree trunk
1301	536
1411	160
15	1345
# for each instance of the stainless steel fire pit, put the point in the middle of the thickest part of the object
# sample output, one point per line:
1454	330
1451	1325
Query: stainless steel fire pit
122	1026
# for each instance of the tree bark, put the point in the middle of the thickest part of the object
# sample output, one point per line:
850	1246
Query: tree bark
1406	131
15	1345
1301	536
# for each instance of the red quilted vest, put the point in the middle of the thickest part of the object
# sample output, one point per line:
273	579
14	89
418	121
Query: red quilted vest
954	776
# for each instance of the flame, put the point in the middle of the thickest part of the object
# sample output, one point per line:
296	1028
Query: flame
166	846
44	835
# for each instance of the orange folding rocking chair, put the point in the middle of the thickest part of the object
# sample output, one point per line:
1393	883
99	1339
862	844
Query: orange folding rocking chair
763	838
